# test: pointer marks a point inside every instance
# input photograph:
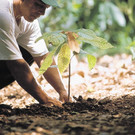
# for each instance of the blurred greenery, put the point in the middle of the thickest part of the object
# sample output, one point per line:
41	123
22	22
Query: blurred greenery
109	19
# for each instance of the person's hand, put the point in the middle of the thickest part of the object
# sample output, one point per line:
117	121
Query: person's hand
64	96
53	101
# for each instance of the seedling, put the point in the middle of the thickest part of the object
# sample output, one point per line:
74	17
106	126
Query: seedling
66	41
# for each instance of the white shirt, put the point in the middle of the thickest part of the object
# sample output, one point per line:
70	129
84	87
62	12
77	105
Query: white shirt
12	35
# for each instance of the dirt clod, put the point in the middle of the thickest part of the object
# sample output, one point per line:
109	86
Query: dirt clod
106	105
81	117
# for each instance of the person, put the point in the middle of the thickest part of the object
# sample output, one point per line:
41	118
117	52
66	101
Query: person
19	29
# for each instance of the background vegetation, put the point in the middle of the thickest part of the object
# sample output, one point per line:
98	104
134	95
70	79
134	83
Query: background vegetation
109	19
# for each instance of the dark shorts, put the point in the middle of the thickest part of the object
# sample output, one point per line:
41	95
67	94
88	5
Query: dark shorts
5	76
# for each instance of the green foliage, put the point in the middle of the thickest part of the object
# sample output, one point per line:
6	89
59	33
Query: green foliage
54	38
47	62
112	20
112	14
131	47
67	42
88	36
128	8
64	58
91	61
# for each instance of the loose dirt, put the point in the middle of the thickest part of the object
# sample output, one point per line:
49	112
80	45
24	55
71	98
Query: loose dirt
104	103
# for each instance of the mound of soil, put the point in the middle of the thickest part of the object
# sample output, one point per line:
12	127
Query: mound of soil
107	105
83	117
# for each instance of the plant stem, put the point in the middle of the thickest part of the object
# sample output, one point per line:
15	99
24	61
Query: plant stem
69	81
69	76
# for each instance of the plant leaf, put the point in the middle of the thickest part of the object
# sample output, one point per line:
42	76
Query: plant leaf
73	44
85	33
64	58
91	61
47	62
132	44
54	38
116	14
100	43
88	36
83	52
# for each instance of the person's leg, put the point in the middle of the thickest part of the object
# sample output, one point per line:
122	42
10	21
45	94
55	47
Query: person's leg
27	56
5	76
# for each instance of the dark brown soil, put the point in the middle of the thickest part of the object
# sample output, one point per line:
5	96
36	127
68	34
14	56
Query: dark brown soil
107	106
83	117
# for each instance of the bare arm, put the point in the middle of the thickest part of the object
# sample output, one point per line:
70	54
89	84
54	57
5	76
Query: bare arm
53	76
22	73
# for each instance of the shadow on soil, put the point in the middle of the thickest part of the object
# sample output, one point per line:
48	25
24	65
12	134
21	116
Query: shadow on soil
83	117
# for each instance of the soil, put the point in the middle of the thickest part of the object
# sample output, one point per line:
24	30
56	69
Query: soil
104	103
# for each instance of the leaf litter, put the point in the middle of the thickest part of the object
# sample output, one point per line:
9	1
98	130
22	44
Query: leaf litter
104	102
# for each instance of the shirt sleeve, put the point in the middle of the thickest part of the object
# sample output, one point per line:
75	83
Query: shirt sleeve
27	40
9	49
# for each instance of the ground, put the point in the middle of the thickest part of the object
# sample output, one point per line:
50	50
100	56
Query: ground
103	104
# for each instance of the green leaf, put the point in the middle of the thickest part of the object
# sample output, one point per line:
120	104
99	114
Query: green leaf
131	45
97	41
83	52
116	14
47	62
88	36
100	43
112	14
85	33
64	58
91	61
54	38
131	10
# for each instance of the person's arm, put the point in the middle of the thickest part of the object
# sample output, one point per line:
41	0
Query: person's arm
53	76
23	75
